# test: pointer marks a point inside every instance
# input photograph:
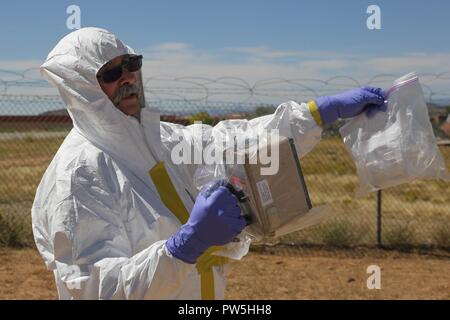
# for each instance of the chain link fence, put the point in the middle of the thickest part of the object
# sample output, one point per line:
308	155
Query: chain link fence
415	215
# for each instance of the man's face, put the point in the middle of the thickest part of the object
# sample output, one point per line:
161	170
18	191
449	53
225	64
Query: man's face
125	91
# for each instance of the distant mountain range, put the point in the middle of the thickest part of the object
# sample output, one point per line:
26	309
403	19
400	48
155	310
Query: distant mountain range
60	112
434	109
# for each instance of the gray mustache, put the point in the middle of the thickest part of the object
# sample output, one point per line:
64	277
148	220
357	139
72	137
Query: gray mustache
126	91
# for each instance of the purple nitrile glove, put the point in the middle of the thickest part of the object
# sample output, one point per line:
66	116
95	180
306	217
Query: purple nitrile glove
215	220
351	103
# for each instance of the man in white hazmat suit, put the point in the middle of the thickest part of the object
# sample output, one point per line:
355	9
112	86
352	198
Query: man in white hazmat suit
113	217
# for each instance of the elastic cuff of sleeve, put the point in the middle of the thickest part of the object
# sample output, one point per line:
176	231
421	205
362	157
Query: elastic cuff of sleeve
315	112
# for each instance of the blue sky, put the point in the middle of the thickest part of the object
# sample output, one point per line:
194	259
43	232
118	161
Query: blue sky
251	40
29	29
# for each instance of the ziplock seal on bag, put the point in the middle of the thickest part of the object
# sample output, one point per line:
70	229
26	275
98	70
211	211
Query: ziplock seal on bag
396	146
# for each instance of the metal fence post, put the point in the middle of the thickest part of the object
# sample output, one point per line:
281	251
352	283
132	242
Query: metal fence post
379	243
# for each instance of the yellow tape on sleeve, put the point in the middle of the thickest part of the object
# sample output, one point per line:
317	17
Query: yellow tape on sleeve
315	112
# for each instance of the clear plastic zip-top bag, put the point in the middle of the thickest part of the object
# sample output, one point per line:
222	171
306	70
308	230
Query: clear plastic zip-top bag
396	146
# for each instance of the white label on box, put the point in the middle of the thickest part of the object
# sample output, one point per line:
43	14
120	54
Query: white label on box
264	192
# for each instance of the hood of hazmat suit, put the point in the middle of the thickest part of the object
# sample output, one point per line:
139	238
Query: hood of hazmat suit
98	220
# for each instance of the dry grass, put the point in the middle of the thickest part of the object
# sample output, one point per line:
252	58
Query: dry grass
415	214
15	230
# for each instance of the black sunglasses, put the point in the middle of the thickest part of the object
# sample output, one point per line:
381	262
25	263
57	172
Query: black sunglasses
132	64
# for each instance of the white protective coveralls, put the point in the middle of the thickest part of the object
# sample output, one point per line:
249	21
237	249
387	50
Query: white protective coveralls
98	221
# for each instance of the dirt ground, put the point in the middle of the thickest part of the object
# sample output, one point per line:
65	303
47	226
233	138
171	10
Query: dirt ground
278	274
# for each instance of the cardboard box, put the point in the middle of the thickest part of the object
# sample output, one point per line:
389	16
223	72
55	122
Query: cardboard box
273	200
